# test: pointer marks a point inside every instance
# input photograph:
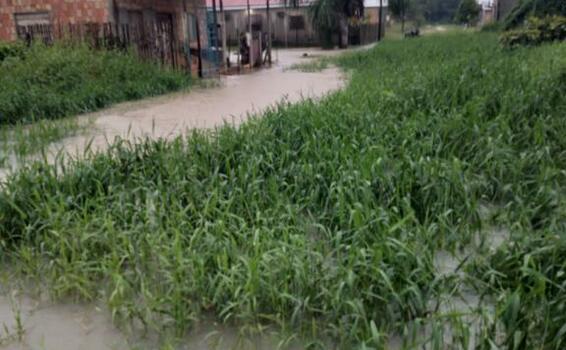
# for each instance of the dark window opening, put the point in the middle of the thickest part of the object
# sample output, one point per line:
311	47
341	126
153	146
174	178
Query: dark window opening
296	22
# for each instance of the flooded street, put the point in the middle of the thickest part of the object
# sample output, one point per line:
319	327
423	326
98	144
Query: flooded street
231	99
31	324
236	98
26	323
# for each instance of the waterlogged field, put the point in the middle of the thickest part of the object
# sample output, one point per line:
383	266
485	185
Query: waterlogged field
52	82
23	141
423	204
40	85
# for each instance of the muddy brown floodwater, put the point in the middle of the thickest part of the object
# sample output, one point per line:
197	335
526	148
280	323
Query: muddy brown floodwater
236	98
26	323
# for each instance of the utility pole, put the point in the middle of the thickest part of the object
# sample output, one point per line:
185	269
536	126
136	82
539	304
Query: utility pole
286	25
403	9
199	48
379	29
224	44
215	32
268	34
251	45
496	9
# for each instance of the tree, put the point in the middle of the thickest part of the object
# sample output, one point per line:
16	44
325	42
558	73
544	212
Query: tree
400	9
331	16
468	12
407	10
537	8
436	11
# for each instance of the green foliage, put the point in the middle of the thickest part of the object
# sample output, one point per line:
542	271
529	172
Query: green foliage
328	17
534	8
536	31
494	26
401	8
468	12
438	11
528	277
323	218
316	65
421	11
20	141
52	82
16	50
407	10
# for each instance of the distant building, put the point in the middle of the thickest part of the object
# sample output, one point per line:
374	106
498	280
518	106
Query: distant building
290	23
15	13
172	23
487	14
495	10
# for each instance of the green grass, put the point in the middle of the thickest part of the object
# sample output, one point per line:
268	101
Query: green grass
312	66
323	219
394	32
53	82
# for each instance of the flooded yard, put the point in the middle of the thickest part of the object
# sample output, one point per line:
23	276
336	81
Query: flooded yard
235	99
29	323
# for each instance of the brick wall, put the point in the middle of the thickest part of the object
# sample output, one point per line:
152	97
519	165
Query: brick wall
5	20
77	11
60	11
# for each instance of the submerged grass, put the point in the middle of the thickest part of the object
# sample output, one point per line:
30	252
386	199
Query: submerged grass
18	142
323	219
315	65
52	82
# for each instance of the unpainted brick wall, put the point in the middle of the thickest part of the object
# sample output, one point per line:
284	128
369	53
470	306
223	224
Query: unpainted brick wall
60	11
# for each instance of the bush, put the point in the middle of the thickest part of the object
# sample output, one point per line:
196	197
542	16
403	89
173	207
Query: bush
536	32
51	82
468	12
11	50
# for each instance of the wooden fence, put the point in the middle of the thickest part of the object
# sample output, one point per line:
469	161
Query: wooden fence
151	41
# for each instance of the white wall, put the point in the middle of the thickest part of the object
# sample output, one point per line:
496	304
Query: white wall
375	3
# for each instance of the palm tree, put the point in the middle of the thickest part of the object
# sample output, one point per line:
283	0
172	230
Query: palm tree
331	16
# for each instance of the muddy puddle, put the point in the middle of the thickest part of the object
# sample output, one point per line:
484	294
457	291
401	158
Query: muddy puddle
31	324
26	323
464	308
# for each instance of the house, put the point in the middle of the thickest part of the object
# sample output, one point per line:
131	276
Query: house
290	22
170	26
487	14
